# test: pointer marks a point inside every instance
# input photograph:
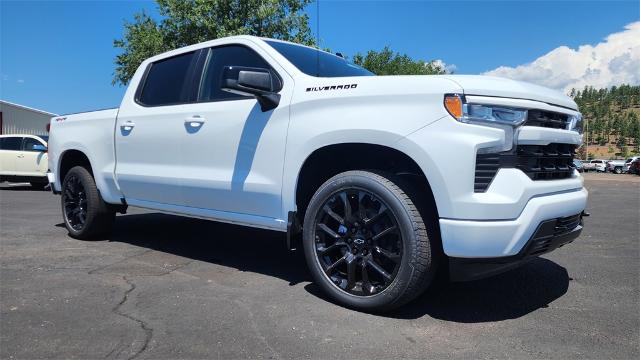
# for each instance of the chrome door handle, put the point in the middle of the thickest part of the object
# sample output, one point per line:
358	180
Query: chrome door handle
128	126
194	121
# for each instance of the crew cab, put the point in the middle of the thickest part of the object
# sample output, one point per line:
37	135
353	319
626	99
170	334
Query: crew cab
23	158
382	180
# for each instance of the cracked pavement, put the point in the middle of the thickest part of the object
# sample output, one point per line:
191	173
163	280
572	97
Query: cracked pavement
166	287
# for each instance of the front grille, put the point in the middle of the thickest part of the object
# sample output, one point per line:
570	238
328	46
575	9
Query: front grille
548	119
549	162
538	162
549	234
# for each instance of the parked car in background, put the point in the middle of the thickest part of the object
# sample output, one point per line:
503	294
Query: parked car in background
23	158
634	167
627	164
598	165
578	165
615	166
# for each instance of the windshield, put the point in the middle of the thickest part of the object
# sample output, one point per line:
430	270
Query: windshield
317	63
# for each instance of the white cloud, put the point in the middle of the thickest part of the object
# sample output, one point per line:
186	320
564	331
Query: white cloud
20	81
614	61
449	68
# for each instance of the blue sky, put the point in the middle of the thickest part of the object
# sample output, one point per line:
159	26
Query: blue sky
58	55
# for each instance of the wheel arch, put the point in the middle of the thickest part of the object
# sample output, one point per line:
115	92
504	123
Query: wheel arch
70	158
329	160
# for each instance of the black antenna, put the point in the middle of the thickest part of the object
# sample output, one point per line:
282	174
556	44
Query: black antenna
318	37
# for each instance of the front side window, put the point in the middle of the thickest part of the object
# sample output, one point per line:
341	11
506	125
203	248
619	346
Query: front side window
218	59
11	143
167	81
27	144
318	63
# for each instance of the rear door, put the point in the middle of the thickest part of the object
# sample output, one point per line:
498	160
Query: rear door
10	149
149	163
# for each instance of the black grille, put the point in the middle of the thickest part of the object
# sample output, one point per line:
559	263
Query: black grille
548	119
487	166
538	162
550	234
550	162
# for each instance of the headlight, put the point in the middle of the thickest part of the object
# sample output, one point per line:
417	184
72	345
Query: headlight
489	114
575	123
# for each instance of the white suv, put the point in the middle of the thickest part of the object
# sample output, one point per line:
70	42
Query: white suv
24	158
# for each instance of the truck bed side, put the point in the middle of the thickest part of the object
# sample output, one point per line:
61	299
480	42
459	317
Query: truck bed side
92	134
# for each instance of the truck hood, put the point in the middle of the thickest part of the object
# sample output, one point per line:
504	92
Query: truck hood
501	87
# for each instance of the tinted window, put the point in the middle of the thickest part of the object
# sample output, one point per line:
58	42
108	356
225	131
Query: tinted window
226	56
45	138
28	143
11	143
167	81
317	63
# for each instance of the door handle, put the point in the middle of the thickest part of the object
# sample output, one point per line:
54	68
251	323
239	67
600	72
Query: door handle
128	126
20	156
194	122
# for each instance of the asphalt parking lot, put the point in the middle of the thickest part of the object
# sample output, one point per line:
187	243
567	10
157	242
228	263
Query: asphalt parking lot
166	287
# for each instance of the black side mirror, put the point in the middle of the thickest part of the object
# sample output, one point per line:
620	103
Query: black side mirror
257	82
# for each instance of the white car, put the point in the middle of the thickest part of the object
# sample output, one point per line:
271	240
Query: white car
598	165
383	179
23	158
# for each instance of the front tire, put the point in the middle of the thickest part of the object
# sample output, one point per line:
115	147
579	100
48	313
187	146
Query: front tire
366	243
86	215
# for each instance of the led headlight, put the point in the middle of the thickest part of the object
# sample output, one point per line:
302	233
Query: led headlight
575	123
477	113
500	117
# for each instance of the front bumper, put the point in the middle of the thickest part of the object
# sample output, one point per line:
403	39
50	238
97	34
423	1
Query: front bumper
549	235
503	238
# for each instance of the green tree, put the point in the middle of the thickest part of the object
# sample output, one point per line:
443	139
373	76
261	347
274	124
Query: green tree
386	62
186	22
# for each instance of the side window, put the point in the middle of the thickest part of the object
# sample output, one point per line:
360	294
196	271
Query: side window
27	144
219	57
167	81
11	143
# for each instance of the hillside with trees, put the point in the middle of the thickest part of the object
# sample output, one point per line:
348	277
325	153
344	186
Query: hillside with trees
612	121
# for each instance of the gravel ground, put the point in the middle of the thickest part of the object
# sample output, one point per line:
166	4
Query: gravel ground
166	287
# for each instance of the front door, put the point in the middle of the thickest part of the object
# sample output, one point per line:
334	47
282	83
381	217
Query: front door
31	162
234	153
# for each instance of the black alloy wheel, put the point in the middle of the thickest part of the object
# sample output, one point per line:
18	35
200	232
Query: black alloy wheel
358	242
366	243
74	199
86	215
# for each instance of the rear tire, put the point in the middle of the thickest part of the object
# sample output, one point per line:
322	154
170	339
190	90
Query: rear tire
374	272
86	215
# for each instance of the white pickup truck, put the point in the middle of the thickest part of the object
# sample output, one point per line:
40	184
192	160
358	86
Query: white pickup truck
383	179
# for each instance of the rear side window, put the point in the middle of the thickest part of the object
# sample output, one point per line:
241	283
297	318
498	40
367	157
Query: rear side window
219	57
167	81
11	143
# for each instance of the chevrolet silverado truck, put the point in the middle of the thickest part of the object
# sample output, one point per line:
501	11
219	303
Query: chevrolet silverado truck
382	180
